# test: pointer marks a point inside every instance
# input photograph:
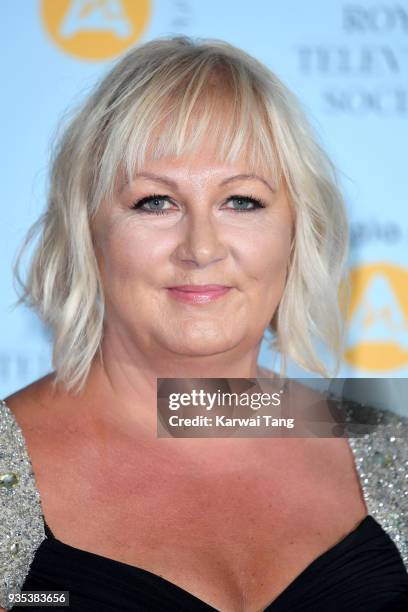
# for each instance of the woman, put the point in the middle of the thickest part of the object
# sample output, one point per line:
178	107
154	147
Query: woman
190	209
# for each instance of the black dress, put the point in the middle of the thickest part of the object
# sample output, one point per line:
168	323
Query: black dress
364	572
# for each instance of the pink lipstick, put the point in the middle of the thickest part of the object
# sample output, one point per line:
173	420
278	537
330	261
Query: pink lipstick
198	294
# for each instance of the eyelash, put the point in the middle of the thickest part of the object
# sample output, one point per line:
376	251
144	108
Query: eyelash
139	203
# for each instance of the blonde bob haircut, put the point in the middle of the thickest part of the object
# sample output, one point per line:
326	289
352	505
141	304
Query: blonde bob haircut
165	97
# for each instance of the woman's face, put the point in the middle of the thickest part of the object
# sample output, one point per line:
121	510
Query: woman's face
204	235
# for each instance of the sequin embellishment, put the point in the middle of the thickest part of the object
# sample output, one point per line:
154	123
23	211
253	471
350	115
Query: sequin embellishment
21	522
381	460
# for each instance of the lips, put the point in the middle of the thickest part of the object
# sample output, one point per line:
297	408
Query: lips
199	288
198	294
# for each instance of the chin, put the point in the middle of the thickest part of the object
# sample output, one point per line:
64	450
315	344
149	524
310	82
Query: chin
202	345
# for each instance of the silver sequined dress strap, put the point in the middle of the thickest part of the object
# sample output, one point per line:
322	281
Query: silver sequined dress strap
21	520
381	459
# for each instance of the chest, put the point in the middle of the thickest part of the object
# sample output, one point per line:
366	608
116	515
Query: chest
234	534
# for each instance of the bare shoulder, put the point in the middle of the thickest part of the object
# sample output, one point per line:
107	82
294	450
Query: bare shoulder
36	405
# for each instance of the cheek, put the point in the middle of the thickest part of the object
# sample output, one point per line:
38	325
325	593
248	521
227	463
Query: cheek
266	253
128	253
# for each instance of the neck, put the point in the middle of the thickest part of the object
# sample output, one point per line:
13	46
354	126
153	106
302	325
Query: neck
121	389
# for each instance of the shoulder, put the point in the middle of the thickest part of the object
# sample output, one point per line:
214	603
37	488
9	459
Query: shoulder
43	411
21	522
378	439
32	400
369	425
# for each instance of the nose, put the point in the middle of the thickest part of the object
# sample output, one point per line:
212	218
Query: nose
201	243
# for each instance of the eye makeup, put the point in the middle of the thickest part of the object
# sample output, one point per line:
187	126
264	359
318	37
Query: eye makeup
156	198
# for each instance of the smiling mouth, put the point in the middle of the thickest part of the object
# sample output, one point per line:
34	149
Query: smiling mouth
198	294
196	288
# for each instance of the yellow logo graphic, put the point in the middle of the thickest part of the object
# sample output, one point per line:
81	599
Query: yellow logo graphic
95	29
378	318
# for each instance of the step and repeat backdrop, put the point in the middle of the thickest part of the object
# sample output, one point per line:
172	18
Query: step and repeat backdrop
346	61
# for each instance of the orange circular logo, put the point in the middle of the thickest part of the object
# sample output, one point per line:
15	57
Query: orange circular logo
378	318
95	29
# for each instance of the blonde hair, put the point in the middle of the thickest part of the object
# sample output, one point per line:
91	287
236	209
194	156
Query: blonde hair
149	101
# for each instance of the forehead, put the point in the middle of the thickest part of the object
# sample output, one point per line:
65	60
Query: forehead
200	169
203	162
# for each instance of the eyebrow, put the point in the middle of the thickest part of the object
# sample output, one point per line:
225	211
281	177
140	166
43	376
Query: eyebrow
241	177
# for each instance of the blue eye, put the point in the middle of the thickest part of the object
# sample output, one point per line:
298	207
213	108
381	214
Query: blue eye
156	201
244	200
